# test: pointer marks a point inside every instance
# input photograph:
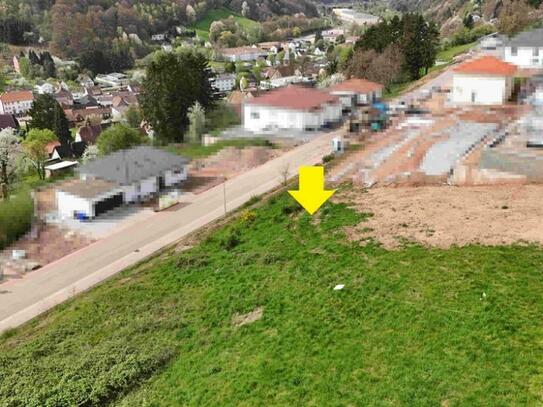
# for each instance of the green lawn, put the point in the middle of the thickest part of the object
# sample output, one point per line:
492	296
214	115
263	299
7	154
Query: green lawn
413	327
200	151
202	26
448	54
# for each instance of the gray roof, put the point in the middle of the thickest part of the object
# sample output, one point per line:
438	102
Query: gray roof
88	189
532	38
126	167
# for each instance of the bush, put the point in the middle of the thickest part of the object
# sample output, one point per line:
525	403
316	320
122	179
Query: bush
327	158
15	217
231	239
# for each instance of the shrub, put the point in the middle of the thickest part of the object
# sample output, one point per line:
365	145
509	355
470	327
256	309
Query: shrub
15	217
231	239
327	158
247	216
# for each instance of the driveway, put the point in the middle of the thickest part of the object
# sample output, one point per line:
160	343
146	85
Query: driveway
23	299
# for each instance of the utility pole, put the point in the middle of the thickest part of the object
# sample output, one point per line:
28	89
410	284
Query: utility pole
224	193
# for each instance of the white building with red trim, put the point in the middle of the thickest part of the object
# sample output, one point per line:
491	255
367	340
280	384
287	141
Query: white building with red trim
291	108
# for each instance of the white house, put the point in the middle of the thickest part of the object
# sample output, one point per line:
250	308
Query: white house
483	81
225	82
526	49
114	79
126	176
242	54
354	92
291	108
45	88
17	102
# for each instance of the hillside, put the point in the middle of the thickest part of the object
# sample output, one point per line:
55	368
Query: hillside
249	316
450	14
202	26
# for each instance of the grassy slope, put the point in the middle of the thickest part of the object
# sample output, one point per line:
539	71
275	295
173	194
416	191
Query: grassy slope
202	26
412	327
448	54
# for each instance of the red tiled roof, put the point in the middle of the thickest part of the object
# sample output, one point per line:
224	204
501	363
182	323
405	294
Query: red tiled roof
487	65
361	86
50	147
16	96
295	98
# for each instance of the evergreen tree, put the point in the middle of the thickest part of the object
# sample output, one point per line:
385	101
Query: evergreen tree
174	81
47	113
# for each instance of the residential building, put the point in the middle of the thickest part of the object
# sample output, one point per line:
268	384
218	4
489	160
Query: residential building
8	121
354	92
126	176
44	89
17	102
291	108
225	82
112	79
88	133
242	54
525	50
484	81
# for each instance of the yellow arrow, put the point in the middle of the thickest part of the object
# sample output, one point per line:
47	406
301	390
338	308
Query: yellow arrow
311	193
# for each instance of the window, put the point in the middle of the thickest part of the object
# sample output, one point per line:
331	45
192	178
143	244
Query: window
536	52
255	115
514	51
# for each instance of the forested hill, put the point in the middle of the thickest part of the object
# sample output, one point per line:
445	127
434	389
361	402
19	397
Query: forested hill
73	25
452	14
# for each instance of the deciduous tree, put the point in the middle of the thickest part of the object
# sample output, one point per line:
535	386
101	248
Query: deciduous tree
9	156
34	146
118	137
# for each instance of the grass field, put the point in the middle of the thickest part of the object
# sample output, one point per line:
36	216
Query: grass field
202	26
448	54
413	327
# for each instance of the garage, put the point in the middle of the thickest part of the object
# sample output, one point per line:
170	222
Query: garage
108	204
88	198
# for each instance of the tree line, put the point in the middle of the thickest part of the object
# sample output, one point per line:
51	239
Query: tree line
395	50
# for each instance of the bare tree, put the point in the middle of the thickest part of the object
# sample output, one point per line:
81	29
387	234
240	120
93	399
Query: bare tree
284	171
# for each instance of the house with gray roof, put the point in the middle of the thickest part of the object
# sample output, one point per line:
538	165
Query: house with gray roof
525	50
126	176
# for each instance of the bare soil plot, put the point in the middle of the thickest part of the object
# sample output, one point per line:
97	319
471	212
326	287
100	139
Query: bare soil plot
446	216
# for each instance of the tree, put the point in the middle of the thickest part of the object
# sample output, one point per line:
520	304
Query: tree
245	9
3	82
90	153
9	155
230	67
514	17
47	113
133	117
173	82
118	137
34	146
197	120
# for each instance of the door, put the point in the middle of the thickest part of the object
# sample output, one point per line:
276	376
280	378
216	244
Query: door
108	204
473	96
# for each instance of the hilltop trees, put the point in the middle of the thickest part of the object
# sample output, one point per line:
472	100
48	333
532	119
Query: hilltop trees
411	41
174	81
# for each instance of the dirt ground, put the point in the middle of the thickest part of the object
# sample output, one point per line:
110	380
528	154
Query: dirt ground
51	244
444	216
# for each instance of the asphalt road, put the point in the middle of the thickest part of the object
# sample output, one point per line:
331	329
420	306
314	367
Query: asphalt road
38	291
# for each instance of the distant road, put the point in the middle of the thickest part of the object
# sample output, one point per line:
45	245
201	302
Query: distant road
38	291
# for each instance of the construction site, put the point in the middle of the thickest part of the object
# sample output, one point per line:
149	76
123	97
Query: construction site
441	144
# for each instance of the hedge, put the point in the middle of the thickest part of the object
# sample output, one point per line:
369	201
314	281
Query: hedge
15	217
